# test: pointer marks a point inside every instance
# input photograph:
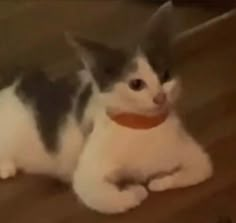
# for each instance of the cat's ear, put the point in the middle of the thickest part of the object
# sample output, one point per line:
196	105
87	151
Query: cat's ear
93	54
88	51
157	39
105	63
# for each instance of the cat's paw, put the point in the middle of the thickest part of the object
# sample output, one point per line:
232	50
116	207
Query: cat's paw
139	193
7	169
132	197
161	184
127	199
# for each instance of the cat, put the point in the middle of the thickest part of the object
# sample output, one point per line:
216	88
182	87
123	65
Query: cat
137	83
58	126
42	125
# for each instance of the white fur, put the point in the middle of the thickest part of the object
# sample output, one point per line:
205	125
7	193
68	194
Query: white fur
113	150
22	148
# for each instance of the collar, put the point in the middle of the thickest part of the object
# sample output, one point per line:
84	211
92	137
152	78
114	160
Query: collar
135	121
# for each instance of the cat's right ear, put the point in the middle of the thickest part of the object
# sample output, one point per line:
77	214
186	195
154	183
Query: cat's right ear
158	36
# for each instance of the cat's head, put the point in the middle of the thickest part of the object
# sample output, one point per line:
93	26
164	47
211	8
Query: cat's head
139	81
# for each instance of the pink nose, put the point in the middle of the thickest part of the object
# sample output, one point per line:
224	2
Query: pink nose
160	99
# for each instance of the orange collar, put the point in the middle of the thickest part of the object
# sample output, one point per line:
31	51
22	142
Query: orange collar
136	121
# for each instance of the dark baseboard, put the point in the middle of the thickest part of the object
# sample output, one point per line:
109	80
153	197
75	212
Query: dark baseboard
224	4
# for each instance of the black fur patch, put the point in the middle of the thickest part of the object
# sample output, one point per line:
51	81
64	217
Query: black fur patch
83	100
51	101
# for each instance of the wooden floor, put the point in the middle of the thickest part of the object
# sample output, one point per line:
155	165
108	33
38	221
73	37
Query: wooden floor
32	33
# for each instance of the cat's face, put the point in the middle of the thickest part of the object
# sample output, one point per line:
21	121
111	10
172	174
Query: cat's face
140	89
138	81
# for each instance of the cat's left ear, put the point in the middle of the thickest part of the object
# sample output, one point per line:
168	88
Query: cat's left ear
104	62
87	51
94	55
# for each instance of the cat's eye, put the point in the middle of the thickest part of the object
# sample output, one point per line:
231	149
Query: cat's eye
166	76
137	84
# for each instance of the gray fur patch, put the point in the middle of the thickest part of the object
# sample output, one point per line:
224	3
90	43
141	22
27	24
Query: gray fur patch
51	101
83	100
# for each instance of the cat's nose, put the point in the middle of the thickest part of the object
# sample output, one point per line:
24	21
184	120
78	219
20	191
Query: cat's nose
160	99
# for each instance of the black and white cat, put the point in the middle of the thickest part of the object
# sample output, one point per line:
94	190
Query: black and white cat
136	84
46	121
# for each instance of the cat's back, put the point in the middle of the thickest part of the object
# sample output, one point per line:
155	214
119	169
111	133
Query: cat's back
37	125
35	93
34	101
34	85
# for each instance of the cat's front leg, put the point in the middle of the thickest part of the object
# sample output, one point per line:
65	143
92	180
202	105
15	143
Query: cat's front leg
7	169
196	167
103	195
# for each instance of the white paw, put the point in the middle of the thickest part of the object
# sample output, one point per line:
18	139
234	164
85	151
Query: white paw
127	199
161	184
7	170
133	196
139	192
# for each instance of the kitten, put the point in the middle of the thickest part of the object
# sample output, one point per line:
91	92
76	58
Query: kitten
42	123
136	83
